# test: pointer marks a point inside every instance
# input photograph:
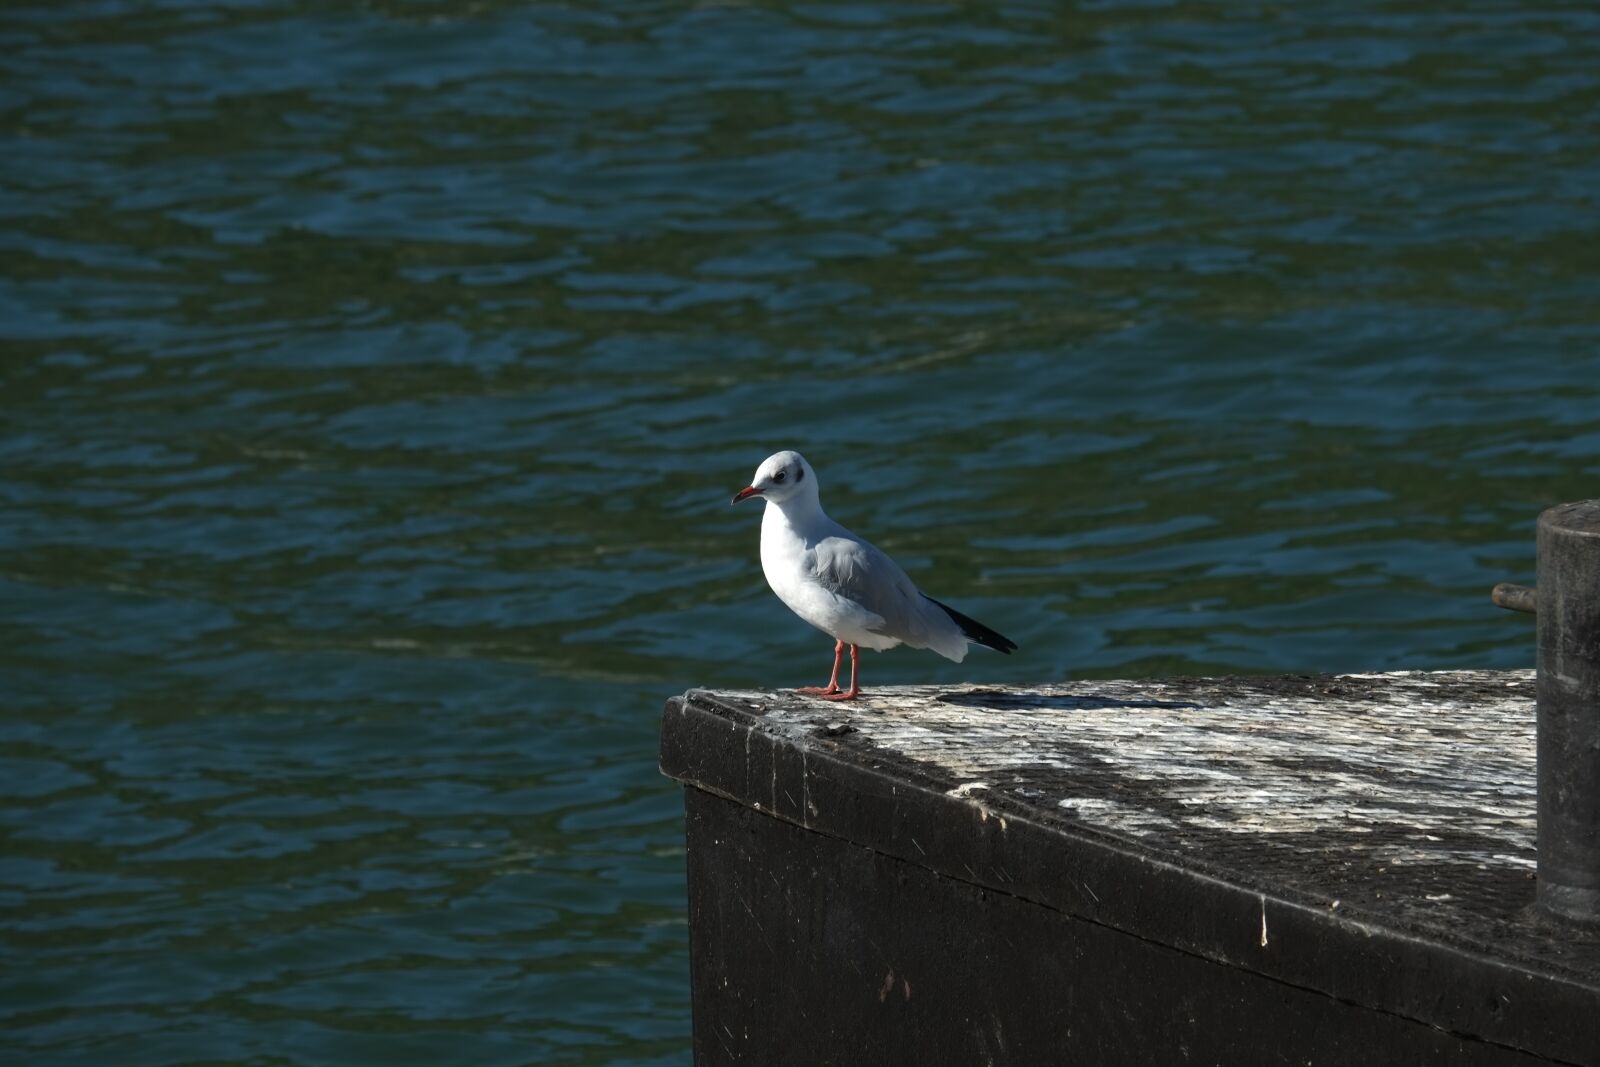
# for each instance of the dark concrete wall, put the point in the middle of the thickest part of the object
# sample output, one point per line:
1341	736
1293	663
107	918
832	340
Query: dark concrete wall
807	949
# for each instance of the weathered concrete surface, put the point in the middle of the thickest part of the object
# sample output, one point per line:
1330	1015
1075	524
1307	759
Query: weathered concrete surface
1369	837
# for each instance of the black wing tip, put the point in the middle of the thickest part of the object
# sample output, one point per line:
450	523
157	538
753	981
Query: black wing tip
977	631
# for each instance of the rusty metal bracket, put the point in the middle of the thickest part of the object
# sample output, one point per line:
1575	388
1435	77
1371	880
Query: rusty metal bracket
1515	597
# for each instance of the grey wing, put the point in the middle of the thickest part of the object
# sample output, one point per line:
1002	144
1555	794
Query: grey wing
862	573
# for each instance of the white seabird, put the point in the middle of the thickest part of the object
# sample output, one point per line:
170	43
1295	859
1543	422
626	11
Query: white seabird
844	586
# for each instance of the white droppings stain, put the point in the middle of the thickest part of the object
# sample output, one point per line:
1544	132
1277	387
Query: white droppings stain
1132	819
1263	922
966	789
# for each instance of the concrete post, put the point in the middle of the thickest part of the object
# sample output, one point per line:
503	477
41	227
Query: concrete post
1569	711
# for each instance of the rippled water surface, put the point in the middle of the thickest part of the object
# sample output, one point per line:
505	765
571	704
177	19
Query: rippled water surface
375	377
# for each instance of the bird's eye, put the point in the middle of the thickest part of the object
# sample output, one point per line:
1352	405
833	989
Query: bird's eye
780	476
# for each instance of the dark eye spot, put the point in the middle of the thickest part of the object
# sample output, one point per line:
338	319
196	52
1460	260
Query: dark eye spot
799	474
780	476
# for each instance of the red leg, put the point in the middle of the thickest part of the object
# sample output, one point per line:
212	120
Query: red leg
833	682
854	690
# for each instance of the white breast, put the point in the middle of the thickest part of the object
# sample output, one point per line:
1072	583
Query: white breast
789	563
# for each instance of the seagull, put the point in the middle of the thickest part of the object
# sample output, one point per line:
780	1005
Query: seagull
844	586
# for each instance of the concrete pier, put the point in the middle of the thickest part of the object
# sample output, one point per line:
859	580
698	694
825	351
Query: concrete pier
1307	869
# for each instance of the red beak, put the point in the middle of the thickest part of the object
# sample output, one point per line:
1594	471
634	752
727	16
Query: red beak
745	494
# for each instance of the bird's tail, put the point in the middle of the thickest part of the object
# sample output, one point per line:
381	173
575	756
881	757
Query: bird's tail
977	631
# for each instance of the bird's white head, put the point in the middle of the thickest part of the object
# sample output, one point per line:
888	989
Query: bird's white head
782	477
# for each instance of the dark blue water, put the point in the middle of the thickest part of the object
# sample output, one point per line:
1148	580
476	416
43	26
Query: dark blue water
375	376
